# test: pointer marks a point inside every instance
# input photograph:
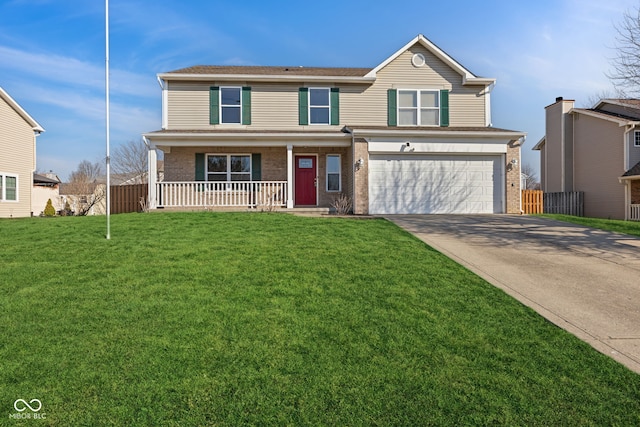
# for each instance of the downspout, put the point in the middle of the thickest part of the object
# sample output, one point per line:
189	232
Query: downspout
487	103
522	140
627	184
165	114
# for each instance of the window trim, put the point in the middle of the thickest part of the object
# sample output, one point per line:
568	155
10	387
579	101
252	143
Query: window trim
3	187
636	139
221	105
228	156
339	156
418	108
328	106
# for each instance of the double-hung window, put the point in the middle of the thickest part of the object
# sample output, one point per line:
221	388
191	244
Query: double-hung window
636	138
334	173
319	106
418	107
8	187
230	105
228	167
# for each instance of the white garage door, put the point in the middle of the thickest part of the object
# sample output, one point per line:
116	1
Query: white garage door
435	184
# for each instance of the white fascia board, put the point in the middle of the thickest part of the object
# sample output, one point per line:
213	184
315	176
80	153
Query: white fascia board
265	78
236	143
408	132
13	104
248	140
540	144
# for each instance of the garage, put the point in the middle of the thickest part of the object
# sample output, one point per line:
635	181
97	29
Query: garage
436	184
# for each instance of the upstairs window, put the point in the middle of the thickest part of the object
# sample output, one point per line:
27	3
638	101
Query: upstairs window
230	105
418	108
319	106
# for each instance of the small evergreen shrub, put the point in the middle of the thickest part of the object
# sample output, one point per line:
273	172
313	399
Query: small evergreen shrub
49	209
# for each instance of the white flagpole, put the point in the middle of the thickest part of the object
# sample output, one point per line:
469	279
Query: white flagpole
108	159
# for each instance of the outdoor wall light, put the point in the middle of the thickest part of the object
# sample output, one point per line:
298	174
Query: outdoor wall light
408	144
514	161
359	163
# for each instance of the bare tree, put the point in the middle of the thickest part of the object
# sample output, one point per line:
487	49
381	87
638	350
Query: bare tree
86	187
593	99
626	63
130	160
530	177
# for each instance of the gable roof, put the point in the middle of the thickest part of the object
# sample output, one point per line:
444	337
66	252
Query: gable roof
623	102
316	74
621	119
21	112
468	77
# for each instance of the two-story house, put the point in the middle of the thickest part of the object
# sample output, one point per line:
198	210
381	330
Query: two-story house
595	151
18	132
412	135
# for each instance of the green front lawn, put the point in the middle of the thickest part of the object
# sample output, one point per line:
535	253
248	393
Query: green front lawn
197	319
619	226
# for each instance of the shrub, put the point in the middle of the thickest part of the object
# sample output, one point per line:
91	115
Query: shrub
49	209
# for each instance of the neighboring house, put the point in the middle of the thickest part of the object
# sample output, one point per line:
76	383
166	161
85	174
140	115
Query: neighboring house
18	132
596	151
45	186
412	135
89	197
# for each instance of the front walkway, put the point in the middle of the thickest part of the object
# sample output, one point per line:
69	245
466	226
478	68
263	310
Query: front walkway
584	280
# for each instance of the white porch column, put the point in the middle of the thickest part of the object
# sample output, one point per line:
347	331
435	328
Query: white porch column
289	176
152	176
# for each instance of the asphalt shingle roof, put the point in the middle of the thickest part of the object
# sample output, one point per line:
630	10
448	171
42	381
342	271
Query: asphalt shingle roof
272	71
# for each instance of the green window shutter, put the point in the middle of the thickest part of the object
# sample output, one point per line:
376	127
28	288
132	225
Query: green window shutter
246	105
214	105
444	108
256	167
392	107
303	106
199	166
334	101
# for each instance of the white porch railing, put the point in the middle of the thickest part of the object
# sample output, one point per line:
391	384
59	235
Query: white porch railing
634	214
249	194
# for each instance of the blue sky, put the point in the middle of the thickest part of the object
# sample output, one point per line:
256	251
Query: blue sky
52	54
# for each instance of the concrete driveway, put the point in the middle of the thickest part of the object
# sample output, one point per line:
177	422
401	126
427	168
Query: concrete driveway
584	280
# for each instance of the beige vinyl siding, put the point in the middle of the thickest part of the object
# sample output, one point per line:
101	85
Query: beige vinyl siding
369	107
275	105
598	154
17	141
188	105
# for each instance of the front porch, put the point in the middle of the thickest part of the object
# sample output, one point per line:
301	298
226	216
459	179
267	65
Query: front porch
197	194
261	175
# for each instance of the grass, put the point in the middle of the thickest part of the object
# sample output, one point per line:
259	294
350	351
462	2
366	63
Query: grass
198	319
626	227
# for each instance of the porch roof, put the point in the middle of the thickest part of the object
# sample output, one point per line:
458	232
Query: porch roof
633	173
249	137
432	131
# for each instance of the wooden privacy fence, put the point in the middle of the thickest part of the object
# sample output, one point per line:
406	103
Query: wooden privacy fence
532	201
566	203
126	198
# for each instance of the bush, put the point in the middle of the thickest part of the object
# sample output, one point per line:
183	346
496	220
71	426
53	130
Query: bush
49	210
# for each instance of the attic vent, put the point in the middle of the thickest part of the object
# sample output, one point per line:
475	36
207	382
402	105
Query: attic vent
418	60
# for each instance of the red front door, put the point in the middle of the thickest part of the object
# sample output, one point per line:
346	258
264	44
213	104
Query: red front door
305	180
